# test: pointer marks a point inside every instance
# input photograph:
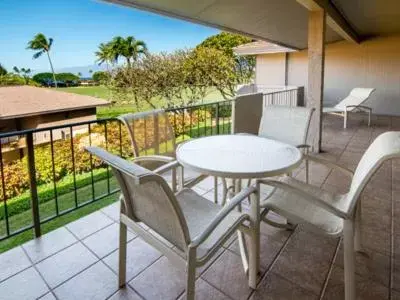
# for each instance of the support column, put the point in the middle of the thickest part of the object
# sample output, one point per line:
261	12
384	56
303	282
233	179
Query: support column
316	58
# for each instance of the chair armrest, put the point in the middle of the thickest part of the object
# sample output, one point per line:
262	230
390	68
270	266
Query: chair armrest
303	146
306	196
167	167
222	214
329	164
161	158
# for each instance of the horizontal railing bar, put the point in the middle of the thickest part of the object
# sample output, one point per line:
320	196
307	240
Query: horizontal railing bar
100	121
14	233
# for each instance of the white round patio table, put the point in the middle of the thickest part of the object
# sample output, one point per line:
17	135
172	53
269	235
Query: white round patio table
239	157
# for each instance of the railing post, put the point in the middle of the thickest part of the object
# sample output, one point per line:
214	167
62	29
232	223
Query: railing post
217	118
33	184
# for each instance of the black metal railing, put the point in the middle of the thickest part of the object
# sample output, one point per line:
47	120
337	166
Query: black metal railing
46	173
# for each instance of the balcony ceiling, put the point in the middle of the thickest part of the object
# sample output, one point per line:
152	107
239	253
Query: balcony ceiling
280	21
371	17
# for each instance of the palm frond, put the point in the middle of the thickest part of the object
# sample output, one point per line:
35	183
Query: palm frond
38	54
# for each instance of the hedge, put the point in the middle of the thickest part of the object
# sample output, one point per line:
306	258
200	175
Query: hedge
22	202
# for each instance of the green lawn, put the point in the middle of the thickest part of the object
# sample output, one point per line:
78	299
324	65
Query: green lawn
115	110
95	91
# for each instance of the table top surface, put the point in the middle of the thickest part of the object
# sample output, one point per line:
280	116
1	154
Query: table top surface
238	156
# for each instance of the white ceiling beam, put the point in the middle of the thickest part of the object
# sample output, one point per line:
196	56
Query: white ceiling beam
334	18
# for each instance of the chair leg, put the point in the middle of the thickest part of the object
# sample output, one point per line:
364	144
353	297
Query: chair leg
216	190
307	171
191	274
357	229
254	259
349	260
224	191
122	255
174	183
369	117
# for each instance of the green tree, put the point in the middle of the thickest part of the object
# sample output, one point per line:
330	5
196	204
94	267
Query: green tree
3	70
42	45
225	42
79	74
100	76
25	73
42	77
67	77
176	79
105	54
129	48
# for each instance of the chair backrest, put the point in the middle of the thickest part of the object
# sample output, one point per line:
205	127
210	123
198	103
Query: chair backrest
148	198
357	96
385	146
286	124
150	132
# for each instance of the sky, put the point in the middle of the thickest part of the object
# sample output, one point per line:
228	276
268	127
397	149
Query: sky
79	26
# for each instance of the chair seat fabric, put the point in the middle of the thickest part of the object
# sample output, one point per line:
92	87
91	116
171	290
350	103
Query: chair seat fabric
298	210
199	213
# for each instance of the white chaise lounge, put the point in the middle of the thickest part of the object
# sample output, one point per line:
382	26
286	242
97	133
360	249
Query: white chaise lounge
352	103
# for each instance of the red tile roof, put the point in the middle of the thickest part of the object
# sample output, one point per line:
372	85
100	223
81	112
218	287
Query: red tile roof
23	101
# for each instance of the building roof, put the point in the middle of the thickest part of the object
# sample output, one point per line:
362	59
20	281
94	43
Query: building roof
260	47
24	101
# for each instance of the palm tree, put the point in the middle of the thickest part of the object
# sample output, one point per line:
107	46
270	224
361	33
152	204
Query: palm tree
3	70
104	54
133	49
23	72
42	45
130	48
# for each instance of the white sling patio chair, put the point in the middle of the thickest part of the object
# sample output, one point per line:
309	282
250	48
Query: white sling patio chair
195	226
352	103
153	144
332	214
289	125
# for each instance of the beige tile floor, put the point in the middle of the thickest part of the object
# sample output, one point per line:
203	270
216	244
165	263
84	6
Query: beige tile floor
79	261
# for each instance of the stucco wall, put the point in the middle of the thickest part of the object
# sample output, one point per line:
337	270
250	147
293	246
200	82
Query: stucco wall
270	69
373	63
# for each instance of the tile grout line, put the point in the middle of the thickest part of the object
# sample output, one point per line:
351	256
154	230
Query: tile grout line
40	275
81	271
269	269
39	261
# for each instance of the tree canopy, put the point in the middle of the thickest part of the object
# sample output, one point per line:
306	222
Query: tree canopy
3	70
100	76
181	78
129	48
46	77
225	42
